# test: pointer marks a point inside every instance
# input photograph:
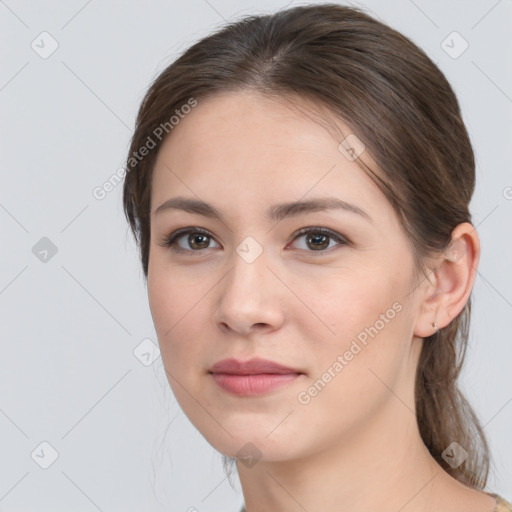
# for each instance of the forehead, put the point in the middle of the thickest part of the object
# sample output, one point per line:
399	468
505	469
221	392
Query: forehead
242	146
269	119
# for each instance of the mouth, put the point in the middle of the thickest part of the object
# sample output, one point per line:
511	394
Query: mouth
255	384
253	377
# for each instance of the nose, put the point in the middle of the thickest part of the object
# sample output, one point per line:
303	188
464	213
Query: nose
250	298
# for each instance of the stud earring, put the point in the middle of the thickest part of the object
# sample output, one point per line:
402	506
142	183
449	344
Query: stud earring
434	325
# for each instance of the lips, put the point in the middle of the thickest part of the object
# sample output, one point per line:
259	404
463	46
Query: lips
253	377
252	367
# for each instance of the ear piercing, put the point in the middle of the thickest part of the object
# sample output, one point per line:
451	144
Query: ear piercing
434	325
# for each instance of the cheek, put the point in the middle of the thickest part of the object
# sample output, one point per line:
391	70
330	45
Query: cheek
175	307
352	369
366	340
174	293
349	303
176	311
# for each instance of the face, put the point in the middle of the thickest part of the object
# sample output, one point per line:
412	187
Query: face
323	292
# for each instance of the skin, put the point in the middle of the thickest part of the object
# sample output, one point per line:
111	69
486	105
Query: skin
355	446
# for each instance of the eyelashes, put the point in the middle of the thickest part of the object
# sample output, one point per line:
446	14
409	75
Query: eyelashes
171	240
317	237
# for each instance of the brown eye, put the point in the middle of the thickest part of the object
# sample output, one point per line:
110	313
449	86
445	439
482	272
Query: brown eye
318	239
196	241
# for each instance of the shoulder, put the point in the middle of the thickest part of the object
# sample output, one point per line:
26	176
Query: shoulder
502	505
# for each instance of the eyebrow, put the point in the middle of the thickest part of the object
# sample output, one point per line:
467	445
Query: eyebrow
276	212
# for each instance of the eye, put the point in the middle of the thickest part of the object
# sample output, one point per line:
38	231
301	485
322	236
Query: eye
319	239
199	239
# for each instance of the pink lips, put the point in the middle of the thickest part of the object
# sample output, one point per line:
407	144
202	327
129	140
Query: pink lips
252	377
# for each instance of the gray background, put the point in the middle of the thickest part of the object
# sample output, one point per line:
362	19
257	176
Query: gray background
72	371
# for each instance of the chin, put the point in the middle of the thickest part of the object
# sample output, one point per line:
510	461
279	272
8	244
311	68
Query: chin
252	444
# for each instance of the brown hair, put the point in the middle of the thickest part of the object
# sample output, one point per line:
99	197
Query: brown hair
395	100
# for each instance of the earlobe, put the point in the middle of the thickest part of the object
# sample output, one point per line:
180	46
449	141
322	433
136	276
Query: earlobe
450	282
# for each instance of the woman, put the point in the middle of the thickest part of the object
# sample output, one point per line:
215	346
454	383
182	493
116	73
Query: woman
299	187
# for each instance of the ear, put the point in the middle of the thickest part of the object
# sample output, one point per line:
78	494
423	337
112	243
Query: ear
449	284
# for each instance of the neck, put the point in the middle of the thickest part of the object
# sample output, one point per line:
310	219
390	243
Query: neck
384	466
